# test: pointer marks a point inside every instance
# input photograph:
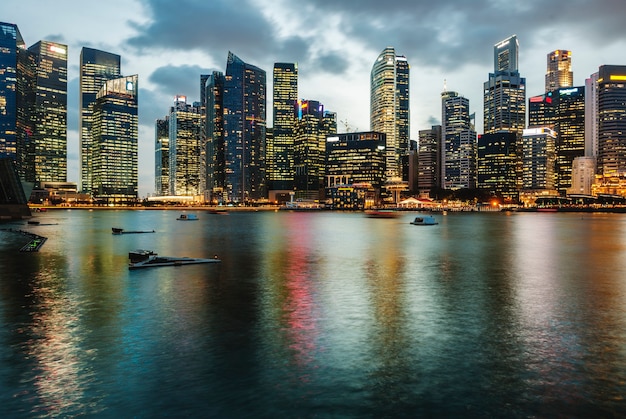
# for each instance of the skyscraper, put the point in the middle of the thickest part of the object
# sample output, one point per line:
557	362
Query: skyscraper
538	159
612	120
280	157
114	136
96	67
505	91
459	143
312	126
185	148
162	156
389	106
429	159
11	43
559	72
213	92
244	131
50	159
498	164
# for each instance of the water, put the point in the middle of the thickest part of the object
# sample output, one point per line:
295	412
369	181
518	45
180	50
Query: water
318	314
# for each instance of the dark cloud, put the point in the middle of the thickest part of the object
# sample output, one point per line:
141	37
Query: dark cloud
153	105
331	62
179	80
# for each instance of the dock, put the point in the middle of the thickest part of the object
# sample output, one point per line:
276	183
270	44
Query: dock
35	243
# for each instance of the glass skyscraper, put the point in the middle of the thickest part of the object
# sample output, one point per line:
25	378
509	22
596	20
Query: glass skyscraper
162	156
612	121
280	158
114	135
96	67
185	148
429	159
459	143
559	71
213	98
389	106
11	43
244	131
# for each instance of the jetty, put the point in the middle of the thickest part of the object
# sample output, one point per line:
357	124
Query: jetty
35	243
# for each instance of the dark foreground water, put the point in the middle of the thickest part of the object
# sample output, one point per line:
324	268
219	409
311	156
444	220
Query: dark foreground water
316	315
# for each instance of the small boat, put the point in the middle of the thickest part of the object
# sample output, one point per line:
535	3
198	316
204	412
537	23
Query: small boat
382	214
218	211
427	220
187	217
148	259
116	230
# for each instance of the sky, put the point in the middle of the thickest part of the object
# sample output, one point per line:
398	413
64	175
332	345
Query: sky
335	43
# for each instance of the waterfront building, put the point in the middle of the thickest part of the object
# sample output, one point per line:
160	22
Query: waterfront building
389	106
185	148
11	45
559	70
429	158
562	110
114	136
505	91
498	164
213	97
96	67
583	175
538	159
280	157
244	131
591	115
356	157
612	120
161	156
458	163
311	127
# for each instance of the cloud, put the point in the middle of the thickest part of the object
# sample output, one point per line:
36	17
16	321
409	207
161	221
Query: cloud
179	80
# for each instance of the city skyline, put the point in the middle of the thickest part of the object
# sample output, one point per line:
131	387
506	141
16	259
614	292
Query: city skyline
334	45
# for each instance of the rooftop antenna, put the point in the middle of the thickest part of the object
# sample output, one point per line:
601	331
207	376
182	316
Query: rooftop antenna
445	85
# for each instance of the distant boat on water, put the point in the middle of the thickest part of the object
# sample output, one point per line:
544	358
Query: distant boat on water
148	259
187	217
382	214
117	230
427	220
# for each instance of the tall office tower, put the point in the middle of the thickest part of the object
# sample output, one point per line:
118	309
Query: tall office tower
312	126
538	159
244	131
591	116
559	71
498	165
356	157
429	158
280	171
458	163
11	45
162	156
46	160
389	106
96	67
185	148
505	91
114	137
562	110
213	94
612	120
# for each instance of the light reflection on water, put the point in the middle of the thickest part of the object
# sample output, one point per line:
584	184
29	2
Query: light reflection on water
327	314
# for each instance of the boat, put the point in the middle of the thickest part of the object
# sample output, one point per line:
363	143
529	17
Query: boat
426	220
382	214
148	259
187	217
116	230
218	211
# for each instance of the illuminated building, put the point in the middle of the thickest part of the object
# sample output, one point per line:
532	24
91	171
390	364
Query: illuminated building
458	155
538	159
562	110
505	91
280	158
213	97
497	164
244	131
162	156
114	136
96	67
312	126
185	148
389	106
559	70
11	46
583	175
612	120
429	158
591	116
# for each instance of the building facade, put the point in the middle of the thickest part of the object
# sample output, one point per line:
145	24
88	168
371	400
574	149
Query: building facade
458	163
185	148
612	121
559	70
244	131
96	67
213	97
114	135
539	159
429	159
280	158
162	156
498	165
389	106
